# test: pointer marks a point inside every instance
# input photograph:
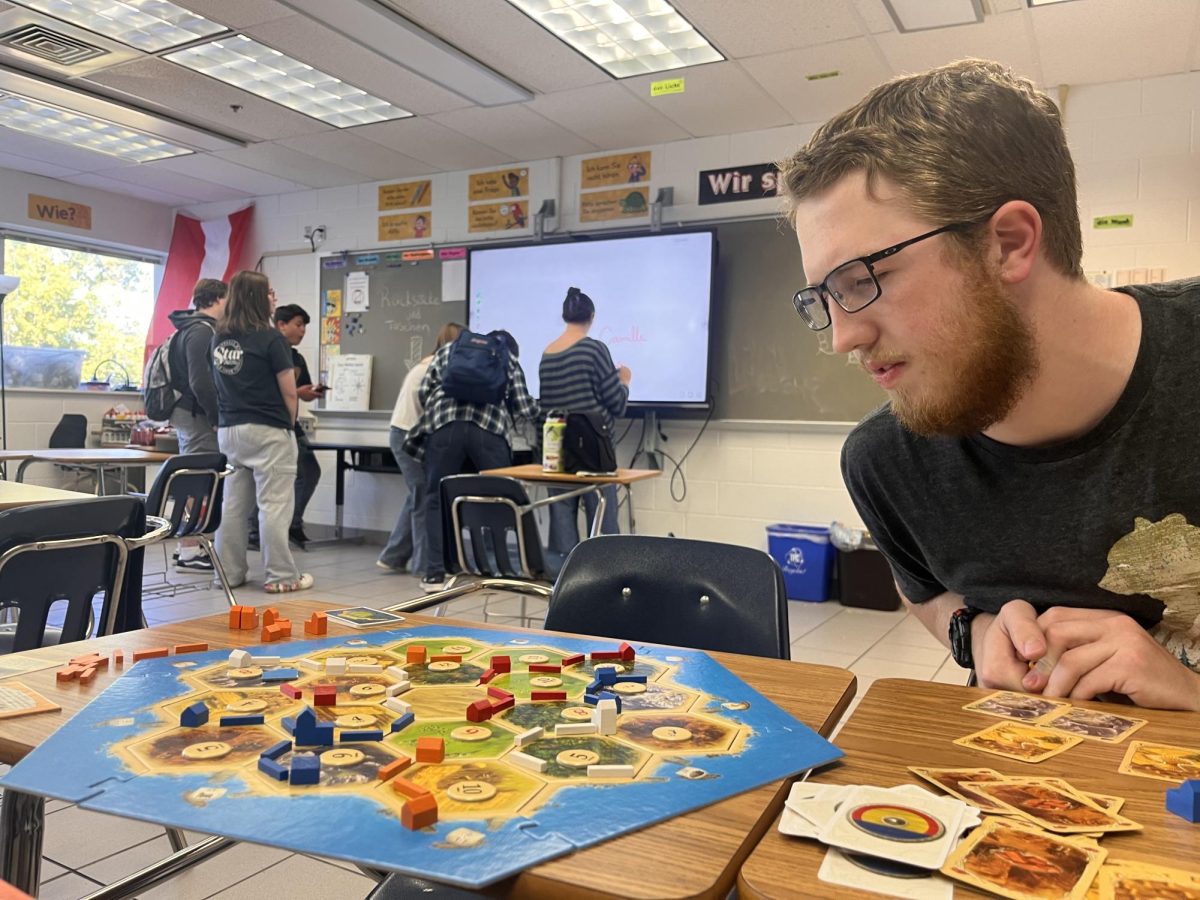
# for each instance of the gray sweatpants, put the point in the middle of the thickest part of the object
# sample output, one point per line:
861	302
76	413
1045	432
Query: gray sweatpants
264	469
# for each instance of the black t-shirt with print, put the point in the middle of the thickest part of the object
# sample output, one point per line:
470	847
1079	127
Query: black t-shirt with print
1104	521
244	370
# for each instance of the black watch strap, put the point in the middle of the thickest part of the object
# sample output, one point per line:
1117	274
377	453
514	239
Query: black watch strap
960	636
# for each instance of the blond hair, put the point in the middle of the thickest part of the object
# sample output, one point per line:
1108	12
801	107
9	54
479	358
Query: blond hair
959	141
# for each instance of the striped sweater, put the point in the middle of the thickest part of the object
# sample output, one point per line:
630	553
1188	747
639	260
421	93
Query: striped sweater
582	378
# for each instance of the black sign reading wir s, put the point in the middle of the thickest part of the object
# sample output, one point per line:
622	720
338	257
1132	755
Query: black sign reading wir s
738	183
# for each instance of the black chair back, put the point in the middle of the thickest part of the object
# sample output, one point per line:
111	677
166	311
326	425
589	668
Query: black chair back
70	432
39	567
697	594
482	514
188	493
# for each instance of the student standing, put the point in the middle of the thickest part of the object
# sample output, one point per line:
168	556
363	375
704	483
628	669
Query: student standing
577	374
407	541
256	392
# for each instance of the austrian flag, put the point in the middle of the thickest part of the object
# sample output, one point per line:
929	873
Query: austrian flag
212	249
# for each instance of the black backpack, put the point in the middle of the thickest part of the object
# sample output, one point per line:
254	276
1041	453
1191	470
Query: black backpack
477	369
588	444
159	392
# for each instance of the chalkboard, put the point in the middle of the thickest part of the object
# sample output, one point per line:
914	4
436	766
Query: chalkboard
766	363
401	324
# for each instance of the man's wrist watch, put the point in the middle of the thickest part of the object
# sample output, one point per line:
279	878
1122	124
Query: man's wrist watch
960	636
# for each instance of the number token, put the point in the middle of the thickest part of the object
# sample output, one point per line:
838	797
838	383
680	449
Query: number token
471	733
354	720
366	690
535	658
545	681
671	733
457	649
578	713
247	705
443	665
207	750
362	661
471	791
578	759
628	687
246	673
342	756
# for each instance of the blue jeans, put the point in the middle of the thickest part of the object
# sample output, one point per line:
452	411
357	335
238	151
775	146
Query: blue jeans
407	540
564	517
447	452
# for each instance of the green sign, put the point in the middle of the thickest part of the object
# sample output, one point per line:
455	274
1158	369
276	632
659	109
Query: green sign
669	86
1125	221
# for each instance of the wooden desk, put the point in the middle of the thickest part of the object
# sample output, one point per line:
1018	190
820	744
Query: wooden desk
97	459
624	477
694	855
14	494
902	723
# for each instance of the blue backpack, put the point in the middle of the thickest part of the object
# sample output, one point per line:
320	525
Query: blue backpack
477	370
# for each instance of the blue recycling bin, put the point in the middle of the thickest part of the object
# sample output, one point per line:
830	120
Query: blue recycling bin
806	557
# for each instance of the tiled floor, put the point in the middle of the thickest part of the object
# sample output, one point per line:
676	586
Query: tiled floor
85	850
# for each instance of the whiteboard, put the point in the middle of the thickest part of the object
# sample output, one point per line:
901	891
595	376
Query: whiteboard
349	382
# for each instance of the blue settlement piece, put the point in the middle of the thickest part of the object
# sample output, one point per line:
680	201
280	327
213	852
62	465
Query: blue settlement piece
306	769
1184	801
194	716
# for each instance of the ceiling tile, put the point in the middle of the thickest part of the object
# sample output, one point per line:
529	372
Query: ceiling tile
608	116
771	25
874	15
238	14
219	171
720	98
783	76
103	183
517	131
359	155
1004	38
1113	40
55	152
320	46
204	101
291	164
505	39
34	166
424	139
158	179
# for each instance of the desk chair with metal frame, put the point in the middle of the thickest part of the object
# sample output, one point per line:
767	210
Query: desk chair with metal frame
188	493
485	518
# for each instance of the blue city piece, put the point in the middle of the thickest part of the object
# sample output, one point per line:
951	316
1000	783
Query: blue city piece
1184	801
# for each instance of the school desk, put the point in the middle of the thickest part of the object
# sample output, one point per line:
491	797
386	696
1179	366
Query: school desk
534	473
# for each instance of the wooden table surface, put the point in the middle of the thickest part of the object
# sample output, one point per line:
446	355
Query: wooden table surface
902	723
17	493
534	472
694	855
95	455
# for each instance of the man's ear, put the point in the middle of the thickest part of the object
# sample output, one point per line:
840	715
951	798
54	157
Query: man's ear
1016	233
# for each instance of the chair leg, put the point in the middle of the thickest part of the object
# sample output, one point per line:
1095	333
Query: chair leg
178	841
207	544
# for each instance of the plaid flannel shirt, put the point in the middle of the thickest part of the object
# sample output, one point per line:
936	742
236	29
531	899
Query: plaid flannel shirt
441	410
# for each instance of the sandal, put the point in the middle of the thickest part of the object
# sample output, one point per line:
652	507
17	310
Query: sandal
303	583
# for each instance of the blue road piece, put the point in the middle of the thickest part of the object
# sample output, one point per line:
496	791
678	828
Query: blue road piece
609	695
351	736
242	720
280	675
276	750
638	679
403	722
275	770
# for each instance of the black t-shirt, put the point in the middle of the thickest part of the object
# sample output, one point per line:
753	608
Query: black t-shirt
1104	521
244	370
302	378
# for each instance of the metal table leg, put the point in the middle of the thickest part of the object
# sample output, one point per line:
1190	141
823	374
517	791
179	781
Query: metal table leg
22	820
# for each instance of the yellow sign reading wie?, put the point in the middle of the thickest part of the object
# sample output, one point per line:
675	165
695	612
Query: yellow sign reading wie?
60	212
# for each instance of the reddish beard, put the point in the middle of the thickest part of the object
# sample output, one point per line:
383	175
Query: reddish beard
985	359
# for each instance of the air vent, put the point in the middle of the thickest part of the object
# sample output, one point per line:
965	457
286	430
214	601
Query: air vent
50	45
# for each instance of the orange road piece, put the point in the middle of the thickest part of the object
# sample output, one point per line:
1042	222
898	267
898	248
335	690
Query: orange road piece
431	749
85	660
394	768
88	675
446	657
410	789
416	655
318	623
421	812
270	615
67	673
153	653
191	648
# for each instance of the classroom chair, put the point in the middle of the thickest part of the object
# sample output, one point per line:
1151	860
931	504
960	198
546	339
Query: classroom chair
68	552
697	594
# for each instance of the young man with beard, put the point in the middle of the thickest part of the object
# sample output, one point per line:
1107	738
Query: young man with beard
1030	481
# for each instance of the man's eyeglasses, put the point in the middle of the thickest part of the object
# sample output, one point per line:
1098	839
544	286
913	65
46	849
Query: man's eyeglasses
853	285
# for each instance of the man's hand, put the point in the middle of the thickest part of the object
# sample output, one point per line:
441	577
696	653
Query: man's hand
310	392
1005	644
1094	651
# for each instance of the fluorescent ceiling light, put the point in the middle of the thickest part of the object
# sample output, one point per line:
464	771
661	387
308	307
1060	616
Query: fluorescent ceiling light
257	68
922	15
149	25
624	37
56	124
1044	2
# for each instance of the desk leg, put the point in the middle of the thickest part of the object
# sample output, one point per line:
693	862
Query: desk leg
340	496
21	469
598	518
22	818
629	503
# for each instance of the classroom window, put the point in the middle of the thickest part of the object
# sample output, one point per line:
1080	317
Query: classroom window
80	297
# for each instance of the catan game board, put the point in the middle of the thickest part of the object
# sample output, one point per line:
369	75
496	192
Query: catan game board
456	754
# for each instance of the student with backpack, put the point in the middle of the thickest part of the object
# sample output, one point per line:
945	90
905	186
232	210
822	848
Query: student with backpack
472	387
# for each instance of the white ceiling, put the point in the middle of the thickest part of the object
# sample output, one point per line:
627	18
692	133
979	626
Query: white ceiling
770	46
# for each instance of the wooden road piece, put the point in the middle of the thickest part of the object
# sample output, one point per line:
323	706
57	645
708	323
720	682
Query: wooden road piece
198	647
395	767
152	653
